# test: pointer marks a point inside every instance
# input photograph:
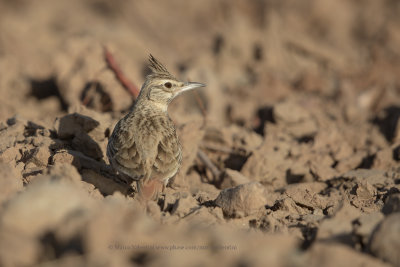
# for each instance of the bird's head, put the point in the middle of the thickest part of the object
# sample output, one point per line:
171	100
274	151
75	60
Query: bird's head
161	86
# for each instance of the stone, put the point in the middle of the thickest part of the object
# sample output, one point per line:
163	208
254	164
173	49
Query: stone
243	200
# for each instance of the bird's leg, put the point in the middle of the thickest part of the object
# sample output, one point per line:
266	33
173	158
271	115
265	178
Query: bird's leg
149	189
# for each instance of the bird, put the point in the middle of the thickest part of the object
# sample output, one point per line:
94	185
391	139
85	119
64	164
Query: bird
144	147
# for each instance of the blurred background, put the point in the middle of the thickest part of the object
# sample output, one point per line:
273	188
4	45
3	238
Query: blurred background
250	53
302	109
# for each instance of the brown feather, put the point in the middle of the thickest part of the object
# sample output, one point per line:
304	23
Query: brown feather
144	146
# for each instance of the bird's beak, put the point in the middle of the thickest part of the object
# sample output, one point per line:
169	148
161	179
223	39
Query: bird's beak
190	85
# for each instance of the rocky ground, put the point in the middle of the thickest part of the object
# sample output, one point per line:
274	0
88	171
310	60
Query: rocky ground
291	154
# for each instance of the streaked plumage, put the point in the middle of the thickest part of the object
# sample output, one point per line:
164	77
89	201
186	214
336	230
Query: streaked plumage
144	146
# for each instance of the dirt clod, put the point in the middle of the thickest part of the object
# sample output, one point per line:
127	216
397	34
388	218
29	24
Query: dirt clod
242	200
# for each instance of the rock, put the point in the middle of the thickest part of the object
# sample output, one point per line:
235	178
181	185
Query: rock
385	242
231	178
392	204
243	200
10	182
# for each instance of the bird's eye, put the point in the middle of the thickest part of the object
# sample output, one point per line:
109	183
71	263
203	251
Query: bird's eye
168	85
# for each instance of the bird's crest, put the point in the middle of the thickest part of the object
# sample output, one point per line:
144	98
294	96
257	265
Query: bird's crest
158	69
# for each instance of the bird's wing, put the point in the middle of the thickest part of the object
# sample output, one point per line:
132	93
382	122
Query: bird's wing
145	153
133	152
168	157
123	153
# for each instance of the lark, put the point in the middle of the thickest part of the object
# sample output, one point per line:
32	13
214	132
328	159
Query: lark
144	147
